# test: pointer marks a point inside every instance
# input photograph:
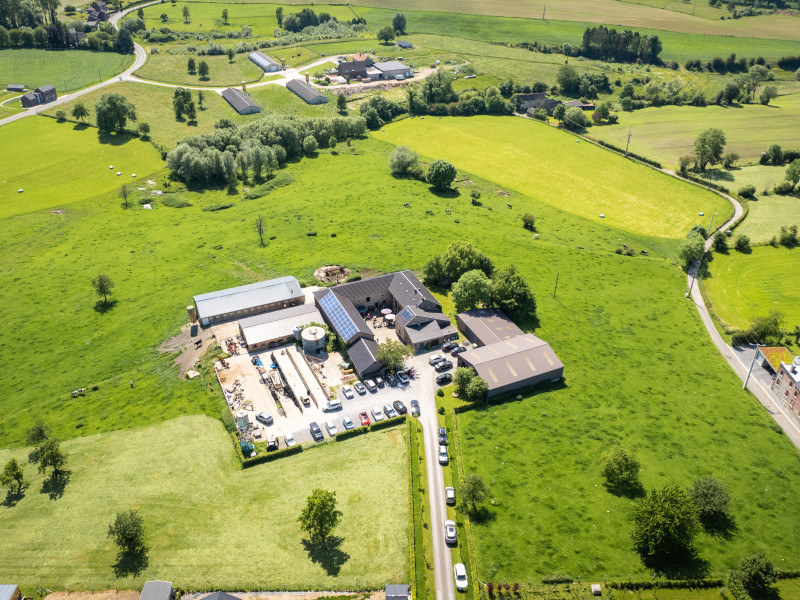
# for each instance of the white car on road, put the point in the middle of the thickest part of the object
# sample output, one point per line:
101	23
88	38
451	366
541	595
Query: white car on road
377	415
348	392
331	427
460	572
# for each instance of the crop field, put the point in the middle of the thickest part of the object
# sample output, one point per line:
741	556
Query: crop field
67	70
745	285
54	178
172	68
666	133
207	522
555	167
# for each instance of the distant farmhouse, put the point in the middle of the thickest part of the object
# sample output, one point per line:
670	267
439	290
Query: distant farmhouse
247	300
97	11
356	68
15	87
787	382
41	95
363	67
307	92
530	102
267	63
74	36
241	102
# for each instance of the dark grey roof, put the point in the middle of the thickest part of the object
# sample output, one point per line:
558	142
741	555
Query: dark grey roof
156	590
264	61
404	44
408	289
429	331
396	591
364	356
15	87
46	88
305	91
414	315
220	596
239	100
488	325
364	287
31	96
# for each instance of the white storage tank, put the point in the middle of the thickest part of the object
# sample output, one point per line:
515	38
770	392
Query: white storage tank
313	340
298	331
242	420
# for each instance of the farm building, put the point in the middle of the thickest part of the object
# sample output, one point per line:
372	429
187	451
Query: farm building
15	87
269	64
397	592
364	357
485	326
277	328
306	92
247	300
356	67
530	102
74	36
220	596
405	45
241	102
41	95
10	592
394	69
156	590
579	104
514	363
787	383
771	358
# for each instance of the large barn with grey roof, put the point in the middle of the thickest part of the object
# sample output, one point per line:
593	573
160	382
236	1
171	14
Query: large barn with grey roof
241	102
247	300
307	92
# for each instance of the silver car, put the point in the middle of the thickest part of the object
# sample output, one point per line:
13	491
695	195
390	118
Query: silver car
443	458
389	411
450	535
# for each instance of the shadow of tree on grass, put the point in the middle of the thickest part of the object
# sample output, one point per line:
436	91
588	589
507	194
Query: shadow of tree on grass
719	526
103	306
131	563
688	565
14	495
631	491
327	553
54	485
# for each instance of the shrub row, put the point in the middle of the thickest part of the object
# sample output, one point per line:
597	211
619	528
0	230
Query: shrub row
387	423
644	159
262	458
282	179
417	510
667	584
348	433
701	181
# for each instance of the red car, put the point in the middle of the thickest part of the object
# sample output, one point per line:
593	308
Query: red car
364	418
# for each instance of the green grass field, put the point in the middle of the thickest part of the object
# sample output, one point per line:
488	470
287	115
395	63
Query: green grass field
12	107
208	523
766	216
67	70
52	177
668	132
554	167
171	68
745	285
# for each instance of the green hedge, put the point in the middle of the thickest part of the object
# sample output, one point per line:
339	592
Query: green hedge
387	423
667	584
348	433
265	457
639	157
701	181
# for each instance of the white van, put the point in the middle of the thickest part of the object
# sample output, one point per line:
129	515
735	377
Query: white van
332	405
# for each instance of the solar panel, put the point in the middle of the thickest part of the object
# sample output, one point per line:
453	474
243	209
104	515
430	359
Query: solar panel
338	317
406	314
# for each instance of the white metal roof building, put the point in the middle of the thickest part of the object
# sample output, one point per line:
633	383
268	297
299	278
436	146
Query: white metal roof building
394	68
269	64
247	300
277	328
156	590
9	592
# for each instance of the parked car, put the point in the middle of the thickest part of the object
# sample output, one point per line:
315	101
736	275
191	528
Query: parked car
444	378
316	432
380	382
371	385
377	415
348	423
443	365
415	408
443	459
460	572
450	495
403	378
272	443
264	418
389	411
289	440
399	407
331	427
364	418
360	388
448	346
442	432
450	535
435	358
332	405
458	350
390	378
348	392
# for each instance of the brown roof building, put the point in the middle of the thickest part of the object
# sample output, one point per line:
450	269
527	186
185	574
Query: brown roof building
485	326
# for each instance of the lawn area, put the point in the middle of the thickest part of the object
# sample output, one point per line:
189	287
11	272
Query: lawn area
766	216
206	520
11	108
171	68
52	177
666	133
67	70
744	285
576	177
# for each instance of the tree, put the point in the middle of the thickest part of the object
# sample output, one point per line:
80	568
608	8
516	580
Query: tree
310	144
231	54
127	531
185	14
191	112
403	161
691	249
103	285
729	160
720	242
758	573
399	22
12	473
341	103
80	112
441	174
37	434
769	93
477	389
320	515
113	111
568	79
51	455
225	16
332	141
472	289
512	295
191	65
461	379
202	69
144	130
123	43
61	116
775	153
575	118
712	501
259	228
124	193
474	491
621	470
559	112
386	34
793	172
665	524
279	15
394	354
164	17
140	14
200	98
742	243
529	222
708	147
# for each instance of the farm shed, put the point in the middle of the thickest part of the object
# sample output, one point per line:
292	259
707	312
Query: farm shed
220	596
10	592
405	45
248	300
393	69
514	363
485	326
306	92
269	64
41	95
277	328
241	102
156	590
29	100
15	87
364	356
356	67
397	592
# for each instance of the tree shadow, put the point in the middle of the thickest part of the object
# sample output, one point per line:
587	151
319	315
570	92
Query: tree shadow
327	553
131	562
81	126
14	495
103	306
451	193
481	515
54	485
766	593
113	139
631	491
719	526
688	565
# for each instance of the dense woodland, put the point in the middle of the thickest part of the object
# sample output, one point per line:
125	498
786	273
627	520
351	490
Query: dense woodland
602	43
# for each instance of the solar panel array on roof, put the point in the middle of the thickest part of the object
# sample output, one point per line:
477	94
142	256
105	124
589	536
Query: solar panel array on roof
339	318
406	313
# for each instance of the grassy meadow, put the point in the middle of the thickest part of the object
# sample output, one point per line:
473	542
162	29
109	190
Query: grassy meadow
52	177
767	214
557	168
67	70
171	68
207	521
741	286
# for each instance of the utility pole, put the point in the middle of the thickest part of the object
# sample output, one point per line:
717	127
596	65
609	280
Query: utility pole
629	143
555	288
750	370
710	224
544	9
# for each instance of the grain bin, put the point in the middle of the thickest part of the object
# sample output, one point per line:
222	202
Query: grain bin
242	420
313	340
192	313
298	331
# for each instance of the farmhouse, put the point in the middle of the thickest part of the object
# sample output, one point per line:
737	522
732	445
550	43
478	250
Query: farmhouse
392	70
10	592
507	358
97	11
267	63
276	328
241	102
41	95
246	300
356	68
787	383
74	36
15	87
306	92
530	102
156	590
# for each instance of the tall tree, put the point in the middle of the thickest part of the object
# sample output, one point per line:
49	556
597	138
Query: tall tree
471	290
394	354
474	491
127	531
225	16
512	295
708	147
386	34
112	112
144	130
191	65
758	574
441	174
202	69
279	15
793	172
12	473
259	228
185	14
399	22
477	389
341	103
38	433
79	111
103	286
124	193
665	524
320	516
568	79
51	455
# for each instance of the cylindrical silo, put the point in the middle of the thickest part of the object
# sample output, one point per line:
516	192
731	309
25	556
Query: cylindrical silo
313	340
298	331
242	420
192	313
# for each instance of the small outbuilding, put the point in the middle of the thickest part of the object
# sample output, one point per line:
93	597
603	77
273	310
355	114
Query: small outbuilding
220	596
267	63
41	95
405	45
397	592
307	92
277	328
156	590
15	87
10	592
29	100
241	102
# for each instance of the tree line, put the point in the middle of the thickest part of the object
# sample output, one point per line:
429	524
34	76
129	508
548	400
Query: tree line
602	43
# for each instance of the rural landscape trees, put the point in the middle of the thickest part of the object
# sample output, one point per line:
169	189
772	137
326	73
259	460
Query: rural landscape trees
127	533
320	516
113	111
665	523
394	354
